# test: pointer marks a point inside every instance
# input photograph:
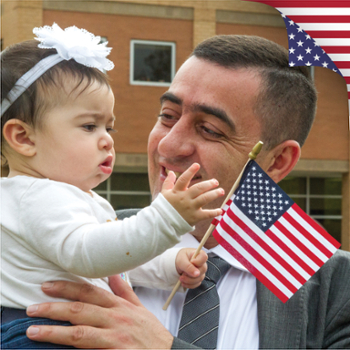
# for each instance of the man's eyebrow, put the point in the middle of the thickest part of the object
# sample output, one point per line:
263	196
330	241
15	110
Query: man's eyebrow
218	113
168	96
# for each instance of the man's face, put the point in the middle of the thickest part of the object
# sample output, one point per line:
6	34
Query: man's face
206	117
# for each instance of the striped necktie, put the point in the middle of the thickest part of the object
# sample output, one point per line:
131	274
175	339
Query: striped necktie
200	316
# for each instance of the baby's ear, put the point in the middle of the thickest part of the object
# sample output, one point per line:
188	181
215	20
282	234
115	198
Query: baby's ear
20	137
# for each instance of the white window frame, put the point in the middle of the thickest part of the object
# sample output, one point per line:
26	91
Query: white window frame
173	62
308	196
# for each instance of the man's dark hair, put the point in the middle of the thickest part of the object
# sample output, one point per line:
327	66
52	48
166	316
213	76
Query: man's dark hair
286	104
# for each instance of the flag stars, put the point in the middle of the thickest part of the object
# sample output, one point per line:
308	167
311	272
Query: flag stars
308	50
300	43
291	36
324	64
300	58
317	57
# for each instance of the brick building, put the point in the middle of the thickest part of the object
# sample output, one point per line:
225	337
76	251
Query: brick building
168	30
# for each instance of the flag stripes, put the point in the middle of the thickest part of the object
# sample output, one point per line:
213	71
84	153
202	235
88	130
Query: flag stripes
326	21
284	257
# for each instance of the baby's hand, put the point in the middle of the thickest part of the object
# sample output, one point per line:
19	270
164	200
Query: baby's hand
192	272
189	201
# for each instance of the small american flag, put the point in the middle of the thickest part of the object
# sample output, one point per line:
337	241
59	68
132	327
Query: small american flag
324	23
271	235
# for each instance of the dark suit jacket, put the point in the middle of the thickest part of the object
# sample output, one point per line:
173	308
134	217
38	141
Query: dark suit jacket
317	316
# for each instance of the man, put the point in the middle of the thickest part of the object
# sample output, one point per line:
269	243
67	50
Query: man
232	92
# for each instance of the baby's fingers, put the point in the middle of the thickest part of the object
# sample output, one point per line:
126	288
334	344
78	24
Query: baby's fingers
184	180
207	197
202	187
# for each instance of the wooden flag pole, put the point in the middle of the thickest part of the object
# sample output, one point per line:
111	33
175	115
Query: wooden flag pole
252	155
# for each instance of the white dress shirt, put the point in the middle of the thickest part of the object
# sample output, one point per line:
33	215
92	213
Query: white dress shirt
238	325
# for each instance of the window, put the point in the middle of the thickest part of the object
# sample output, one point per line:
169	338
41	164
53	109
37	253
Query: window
152	62
318	197
126	190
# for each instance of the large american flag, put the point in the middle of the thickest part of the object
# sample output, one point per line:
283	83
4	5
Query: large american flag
271	235
323	26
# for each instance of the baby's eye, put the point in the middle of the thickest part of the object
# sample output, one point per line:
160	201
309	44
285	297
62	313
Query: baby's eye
89	127
110	130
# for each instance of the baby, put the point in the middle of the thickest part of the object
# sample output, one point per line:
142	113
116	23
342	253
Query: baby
57	119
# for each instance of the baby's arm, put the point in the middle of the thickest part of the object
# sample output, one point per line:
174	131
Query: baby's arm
189	201
164	271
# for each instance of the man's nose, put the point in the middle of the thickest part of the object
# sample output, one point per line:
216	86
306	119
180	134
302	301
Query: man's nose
178	142
106	141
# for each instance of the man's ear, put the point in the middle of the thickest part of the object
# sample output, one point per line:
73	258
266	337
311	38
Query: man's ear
282	159
20	137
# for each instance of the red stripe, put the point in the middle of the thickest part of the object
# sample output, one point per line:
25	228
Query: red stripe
316	226
309	236
265	246
342	64
301	3
320	19
265	281
336	49
300	245
347	80
348	95
290	252
268	266
329	33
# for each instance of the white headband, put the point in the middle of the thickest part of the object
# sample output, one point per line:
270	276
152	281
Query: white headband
79	44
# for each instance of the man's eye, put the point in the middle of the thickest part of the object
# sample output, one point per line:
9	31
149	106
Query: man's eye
210	132
165	116
89	127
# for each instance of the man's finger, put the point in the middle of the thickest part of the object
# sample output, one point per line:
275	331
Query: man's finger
83	292
74	312
123	290
82	337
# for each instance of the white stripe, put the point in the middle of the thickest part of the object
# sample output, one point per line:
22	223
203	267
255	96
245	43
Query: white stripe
332	42
294	248
339	57
271	243
325	26
262	252
348	87
254	262
310	229
314	11
345	72
301	238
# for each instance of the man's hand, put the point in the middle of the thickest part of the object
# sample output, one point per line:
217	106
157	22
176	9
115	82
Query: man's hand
100	319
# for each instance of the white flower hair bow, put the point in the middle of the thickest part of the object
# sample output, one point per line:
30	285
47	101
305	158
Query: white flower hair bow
84	47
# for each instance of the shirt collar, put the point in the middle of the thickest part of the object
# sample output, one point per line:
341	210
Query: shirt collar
190	242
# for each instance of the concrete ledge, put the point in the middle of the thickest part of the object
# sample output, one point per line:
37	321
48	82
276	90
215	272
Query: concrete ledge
131	162
119	8
321	167
248	18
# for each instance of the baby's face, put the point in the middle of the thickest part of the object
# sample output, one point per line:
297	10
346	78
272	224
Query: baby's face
75	143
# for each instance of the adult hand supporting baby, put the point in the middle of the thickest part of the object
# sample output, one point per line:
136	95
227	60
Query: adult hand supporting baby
100	319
